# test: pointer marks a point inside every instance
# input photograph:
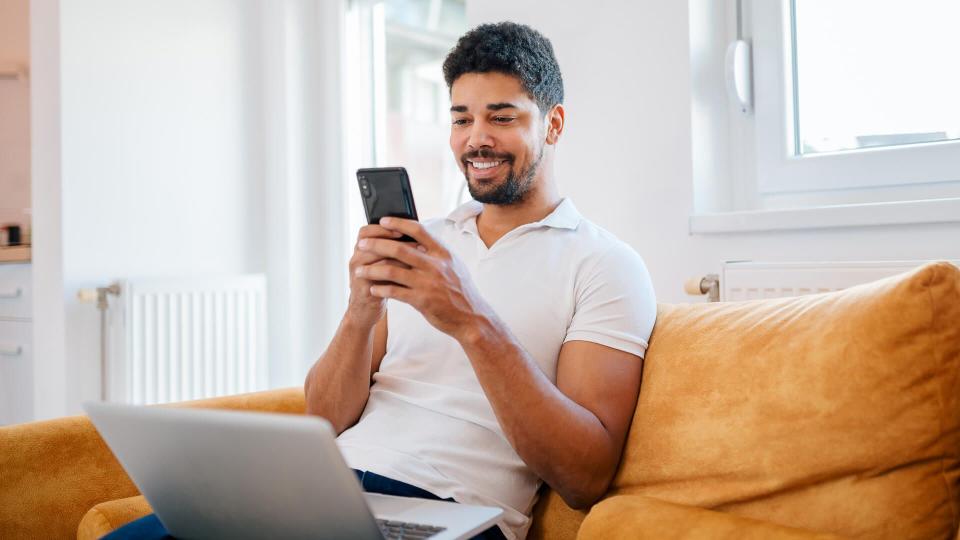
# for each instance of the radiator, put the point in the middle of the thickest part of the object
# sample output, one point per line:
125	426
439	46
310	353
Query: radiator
750	280
178	339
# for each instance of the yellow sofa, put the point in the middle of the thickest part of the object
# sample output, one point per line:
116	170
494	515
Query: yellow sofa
824	416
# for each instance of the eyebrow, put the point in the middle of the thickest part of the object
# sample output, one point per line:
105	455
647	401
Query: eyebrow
491	107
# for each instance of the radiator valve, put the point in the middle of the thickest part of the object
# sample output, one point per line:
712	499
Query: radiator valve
707	285
98	295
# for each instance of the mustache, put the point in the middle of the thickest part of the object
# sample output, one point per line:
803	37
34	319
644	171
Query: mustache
485	153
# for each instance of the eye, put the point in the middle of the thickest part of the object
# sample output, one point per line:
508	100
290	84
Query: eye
503	119
460	121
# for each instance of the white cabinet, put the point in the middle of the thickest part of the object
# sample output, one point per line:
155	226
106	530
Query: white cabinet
16	344
16	295
16	372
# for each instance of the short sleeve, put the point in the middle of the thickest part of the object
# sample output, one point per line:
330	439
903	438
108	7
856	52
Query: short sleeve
615	302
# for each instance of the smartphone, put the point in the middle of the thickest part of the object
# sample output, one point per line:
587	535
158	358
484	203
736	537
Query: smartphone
386	192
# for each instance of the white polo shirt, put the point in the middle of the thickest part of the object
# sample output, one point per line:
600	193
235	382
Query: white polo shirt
428	422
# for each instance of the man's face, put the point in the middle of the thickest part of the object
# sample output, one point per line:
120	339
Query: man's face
497	135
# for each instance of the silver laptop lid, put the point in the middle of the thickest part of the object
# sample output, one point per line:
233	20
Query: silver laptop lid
228	474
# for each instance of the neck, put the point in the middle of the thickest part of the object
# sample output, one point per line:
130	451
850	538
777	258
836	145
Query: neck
497	220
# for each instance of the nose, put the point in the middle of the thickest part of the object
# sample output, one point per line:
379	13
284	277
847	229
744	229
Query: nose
479	136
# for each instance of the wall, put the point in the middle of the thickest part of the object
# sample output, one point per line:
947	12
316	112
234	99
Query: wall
162	155
50	387
626	69
178	139
153	121
14	114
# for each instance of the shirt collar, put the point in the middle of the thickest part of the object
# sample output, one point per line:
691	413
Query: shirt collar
564	216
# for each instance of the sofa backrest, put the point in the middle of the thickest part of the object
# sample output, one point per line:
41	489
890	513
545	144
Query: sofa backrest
836	412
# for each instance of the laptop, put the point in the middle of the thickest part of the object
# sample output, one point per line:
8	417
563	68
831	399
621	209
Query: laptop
229	474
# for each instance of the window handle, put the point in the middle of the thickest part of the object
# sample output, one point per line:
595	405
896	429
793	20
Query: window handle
739	75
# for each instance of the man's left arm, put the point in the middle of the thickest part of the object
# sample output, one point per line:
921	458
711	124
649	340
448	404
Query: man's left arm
570	434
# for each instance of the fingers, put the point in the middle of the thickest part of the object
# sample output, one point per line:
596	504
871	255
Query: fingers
413	229
376	231
395	292
364	258
393	249
386	273
372	231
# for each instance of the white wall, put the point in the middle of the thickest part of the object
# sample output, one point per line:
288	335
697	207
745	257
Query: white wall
50	388
14	113
179	139
160	127
162	151
626	157
161	165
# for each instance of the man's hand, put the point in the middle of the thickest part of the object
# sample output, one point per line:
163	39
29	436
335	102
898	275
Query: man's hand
364	308
433	281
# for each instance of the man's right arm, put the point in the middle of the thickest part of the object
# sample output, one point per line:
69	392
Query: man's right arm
338	384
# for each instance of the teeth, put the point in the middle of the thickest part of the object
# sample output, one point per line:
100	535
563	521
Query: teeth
485	165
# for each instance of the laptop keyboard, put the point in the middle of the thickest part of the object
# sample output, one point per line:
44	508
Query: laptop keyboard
396	530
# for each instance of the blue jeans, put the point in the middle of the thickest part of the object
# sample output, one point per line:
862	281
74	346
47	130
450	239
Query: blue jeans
150	528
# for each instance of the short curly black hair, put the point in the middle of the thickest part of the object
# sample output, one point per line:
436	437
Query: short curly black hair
512	49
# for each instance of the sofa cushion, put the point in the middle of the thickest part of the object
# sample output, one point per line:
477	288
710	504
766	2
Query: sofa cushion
51	473
553	519
636	517
835	412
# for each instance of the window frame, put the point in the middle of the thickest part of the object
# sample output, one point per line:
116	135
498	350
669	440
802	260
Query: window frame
367	31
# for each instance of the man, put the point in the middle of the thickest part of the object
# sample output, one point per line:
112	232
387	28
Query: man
505	347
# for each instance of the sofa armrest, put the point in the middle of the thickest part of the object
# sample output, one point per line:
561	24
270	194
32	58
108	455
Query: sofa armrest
108	516
638	516
52	472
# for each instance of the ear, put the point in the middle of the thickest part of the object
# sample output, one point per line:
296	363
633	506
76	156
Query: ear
554	124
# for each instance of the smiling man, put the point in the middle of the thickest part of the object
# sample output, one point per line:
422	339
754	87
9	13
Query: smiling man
504	349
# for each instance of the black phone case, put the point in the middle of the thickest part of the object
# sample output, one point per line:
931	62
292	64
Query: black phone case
386	192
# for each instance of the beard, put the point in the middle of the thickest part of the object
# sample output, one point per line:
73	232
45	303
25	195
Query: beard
513	189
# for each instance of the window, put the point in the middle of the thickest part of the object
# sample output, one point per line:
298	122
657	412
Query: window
854	120
861	86
855	94
397	104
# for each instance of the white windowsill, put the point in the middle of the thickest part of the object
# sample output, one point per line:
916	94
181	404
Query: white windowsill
828	217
